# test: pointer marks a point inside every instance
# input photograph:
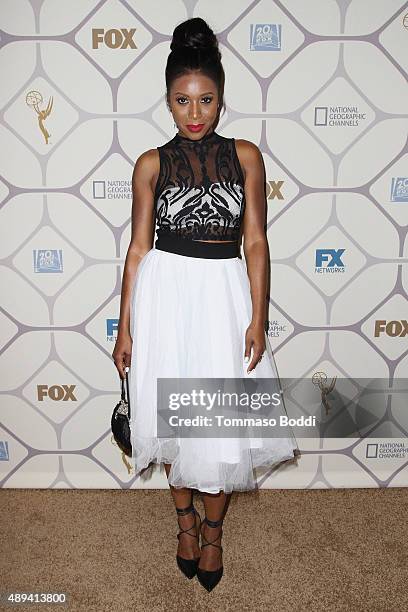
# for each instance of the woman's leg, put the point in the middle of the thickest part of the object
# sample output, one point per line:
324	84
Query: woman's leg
216	507
188	547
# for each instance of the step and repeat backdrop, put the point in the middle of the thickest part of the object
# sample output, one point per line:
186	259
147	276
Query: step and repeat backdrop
321	88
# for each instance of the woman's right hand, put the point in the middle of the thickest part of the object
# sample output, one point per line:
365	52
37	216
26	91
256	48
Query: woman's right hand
122	353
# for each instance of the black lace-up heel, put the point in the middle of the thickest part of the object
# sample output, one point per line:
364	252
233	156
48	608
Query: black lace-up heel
189	566
209	579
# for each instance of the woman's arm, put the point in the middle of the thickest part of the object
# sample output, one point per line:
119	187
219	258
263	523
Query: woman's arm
255	245
144	175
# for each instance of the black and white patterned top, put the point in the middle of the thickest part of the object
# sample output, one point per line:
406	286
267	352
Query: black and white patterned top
199	193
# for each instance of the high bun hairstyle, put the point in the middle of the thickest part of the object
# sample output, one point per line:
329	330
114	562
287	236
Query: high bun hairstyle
194	47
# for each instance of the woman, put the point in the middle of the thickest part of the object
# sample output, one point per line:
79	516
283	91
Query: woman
188	302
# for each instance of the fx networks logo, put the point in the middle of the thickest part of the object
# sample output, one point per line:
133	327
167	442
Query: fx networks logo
265	37
387	450
275	329
340	116
328	261
56	393
112	190
399	189
111	329
394	329
4	451
273	190
114	39
49	260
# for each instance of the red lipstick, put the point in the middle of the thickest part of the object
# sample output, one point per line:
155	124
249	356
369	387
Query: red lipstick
195	128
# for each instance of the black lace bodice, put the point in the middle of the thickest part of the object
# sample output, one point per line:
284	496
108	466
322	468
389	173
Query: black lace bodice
199	193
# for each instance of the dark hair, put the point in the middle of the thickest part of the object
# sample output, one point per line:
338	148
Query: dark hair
194	47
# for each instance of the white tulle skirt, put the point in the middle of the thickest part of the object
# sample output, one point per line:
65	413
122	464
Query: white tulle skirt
188	318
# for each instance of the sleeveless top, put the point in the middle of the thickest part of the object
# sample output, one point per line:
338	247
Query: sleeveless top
199	195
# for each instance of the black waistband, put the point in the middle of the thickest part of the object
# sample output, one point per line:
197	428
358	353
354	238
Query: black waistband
195	248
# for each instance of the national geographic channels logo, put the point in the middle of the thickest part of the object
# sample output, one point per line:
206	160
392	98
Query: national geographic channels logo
387	450
340	116
274	329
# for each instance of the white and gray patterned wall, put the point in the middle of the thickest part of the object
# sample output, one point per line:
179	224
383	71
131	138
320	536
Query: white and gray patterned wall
321	87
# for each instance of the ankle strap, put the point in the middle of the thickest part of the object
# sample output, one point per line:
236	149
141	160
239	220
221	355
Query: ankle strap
183	511
213	523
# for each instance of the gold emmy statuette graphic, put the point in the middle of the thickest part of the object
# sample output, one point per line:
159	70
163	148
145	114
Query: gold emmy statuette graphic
34	99
320	379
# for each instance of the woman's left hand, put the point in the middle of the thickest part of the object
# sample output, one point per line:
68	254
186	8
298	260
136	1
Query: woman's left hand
255	339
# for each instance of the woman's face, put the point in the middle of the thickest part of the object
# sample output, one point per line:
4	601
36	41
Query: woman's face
193	100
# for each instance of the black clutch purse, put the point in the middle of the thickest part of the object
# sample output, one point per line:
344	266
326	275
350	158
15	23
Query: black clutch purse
120	422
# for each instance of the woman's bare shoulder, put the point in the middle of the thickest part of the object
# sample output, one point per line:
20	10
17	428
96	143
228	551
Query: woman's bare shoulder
248	154
147	165
148	159
246	148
